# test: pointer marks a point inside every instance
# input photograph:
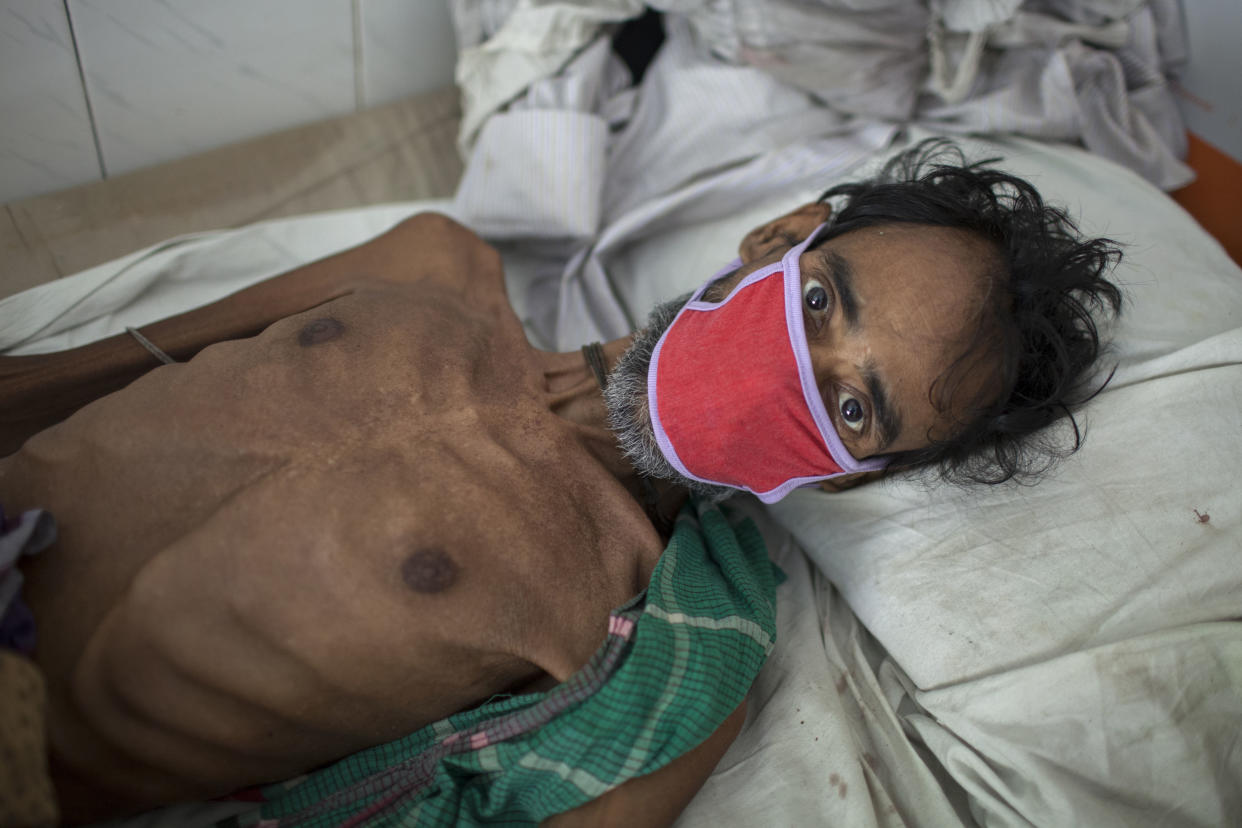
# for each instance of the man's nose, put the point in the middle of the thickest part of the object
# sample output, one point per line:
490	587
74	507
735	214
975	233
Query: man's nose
834	349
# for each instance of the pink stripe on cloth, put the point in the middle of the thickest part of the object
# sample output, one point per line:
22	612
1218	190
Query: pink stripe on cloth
620	626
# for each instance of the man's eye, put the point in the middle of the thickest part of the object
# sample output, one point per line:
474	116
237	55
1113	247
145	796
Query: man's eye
852	410
815	295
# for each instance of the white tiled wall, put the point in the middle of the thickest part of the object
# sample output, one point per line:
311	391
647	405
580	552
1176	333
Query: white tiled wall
1210	102
170	79
159	79
45	131
405	44
91	88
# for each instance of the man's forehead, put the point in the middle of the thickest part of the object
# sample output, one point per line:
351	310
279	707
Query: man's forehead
963	255
920	291
930	280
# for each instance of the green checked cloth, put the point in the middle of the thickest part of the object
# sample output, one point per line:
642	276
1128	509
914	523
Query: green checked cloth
677	661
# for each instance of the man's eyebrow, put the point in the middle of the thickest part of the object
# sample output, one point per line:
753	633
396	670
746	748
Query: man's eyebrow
887	417
841	272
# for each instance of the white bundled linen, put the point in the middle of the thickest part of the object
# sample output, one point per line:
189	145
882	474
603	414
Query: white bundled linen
581	168
1092	71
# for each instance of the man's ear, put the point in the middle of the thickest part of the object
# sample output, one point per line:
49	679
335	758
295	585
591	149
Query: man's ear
848	481
783	232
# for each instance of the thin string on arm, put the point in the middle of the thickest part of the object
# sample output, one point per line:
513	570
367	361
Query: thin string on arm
594	354
150	346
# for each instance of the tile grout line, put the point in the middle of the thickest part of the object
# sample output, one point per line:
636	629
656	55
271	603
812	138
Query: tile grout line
86	94
360	92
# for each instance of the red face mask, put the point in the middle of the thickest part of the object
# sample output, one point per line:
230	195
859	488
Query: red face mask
732	393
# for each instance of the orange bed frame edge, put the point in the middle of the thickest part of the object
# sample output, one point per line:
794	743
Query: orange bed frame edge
1215	197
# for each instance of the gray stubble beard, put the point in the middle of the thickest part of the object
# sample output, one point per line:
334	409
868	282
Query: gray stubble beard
626	401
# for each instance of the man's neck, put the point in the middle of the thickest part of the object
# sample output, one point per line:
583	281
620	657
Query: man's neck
574	394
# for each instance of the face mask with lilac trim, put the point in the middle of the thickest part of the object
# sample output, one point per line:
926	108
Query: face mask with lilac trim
732	393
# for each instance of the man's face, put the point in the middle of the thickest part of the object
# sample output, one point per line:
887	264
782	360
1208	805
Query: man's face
887	311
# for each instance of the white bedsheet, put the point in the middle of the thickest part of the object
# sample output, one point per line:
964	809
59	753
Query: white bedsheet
1067	654
181	273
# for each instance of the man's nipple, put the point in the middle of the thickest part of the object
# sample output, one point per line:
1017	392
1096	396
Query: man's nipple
319	331
429	570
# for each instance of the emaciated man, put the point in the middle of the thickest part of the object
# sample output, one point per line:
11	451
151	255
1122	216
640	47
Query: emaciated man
360	502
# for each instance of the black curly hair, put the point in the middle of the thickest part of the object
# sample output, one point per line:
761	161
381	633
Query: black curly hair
1048	287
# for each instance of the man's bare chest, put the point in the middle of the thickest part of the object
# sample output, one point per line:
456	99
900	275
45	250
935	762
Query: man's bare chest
320	538
370	449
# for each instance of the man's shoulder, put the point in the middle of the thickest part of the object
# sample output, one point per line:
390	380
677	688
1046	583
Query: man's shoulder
432	247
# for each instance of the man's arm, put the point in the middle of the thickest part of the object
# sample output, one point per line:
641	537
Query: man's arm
40	390
657	798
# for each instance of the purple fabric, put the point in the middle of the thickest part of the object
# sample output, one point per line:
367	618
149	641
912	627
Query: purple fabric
28	534
17	628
